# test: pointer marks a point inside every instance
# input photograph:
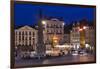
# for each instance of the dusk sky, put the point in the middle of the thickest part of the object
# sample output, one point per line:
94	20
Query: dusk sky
27	14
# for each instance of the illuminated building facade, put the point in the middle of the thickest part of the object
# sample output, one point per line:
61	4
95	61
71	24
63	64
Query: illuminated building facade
80	37
53	31
75	36
26	36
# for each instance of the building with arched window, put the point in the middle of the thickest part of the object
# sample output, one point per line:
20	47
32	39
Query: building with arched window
53	27
53	32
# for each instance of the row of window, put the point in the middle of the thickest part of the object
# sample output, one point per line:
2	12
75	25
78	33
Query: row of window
54	31
72	39
25	43
75	35
24	33
54	26
78	35
24	38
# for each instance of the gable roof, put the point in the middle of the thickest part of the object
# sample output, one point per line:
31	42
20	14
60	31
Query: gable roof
26	27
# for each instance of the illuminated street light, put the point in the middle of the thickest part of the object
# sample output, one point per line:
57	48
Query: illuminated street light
80	29
63	24
84	27
43	22
55	41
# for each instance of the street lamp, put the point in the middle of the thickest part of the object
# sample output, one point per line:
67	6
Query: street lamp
63	24
80	29
84	27
43	22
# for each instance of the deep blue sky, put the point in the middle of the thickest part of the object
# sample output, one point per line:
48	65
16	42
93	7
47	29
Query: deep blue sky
27	14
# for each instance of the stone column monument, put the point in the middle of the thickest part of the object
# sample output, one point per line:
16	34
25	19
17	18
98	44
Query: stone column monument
40	47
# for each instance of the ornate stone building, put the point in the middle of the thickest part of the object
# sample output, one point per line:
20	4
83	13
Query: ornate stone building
53	31
89	36
26	36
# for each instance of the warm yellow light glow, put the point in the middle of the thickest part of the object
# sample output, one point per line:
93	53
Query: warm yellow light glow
63	46
55	41
54	38
43	22
84	27
80	29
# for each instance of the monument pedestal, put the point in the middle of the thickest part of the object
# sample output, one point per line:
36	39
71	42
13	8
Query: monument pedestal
40	51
